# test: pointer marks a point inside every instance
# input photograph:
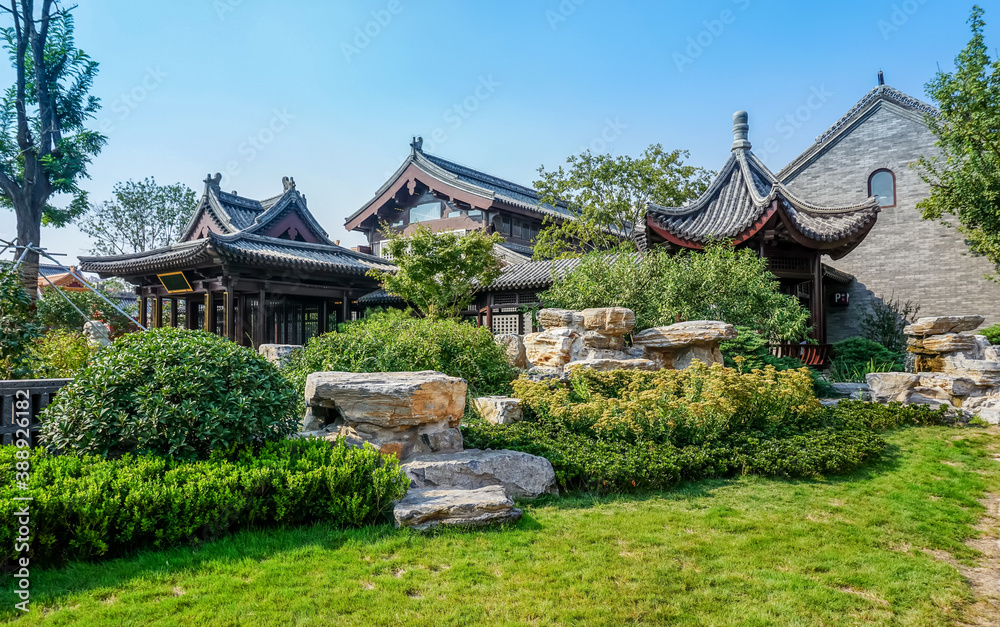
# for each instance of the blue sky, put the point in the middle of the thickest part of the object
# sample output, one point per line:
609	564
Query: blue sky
331	92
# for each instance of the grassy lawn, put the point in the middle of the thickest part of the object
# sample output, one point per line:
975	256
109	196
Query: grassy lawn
882	546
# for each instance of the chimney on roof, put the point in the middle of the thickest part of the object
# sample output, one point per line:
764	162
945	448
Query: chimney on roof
740	130
881	78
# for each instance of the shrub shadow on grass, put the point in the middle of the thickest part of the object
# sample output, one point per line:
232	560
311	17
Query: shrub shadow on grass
256	545
888	461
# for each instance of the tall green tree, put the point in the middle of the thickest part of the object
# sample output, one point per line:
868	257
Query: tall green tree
142	216
965	178
721	283
45	146
439	273
609	195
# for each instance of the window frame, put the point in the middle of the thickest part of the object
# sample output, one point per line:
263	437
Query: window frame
872	176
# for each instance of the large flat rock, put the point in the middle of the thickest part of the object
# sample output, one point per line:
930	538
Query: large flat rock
553	348
389	399
426	508
684	334
609	320
520	474
943	324
605	365
560	318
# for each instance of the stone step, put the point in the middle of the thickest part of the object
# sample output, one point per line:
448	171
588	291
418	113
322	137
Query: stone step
520	474
427	508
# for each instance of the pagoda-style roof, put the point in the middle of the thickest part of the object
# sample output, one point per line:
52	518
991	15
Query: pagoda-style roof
745	196
227	229
474	187
879	97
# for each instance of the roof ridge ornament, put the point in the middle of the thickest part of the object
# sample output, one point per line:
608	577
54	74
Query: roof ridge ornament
213	182
741	130
288	182
417	144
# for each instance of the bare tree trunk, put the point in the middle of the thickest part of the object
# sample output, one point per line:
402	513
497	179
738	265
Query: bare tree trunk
29	230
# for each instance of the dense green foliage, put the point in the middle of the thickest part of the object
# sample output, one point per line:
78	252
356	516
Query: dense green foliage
992	333
721	283
965	178
170	392
60	355
609	196
884	320
87	507
143	216
626	430
853	358
438	273
17	330
394	341
55	310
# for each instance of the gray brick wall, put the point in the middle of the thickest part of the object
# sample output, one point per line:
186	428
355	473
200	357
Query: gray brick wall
904	255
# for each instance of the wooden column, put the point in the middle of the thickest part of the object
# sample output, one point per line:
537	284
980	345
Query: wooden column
818	319
173	312
258	331
158	312
230	314
209	310
323	321
345	308
190	313
143	314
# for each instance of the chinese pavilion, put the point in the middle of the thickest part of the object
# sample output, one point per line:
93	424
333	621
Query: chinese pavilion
255	271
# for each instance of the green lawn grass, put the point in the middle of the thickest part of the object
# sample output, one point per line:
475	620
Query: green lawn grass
844	551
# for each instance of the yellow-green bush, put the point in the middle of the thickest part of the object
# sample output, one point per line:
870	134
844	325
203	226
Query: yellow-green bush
689	406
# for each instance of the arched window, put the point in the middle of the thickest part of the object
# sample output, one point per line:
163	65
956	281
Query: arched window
882	183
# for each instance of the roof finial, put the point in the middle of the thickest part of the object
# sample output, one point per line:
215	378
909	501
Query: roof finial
213	182
881	78
417	144
741	128
288	182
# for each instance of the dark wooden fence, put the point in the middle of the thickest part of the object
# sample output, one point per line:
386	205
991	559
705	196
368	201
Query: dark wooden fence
38	393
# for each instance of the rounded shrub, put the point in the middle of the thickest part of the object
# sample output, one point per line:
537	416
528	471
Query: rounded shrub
170	392
394	341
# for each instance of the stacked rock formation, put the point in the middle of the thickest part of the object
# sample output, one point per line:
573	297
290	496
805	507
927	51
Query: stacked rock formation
595	338
415	416
951	367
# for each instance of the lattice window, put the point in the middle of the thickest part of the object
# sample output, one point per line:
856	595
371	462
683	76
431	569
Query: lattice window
527	298
789	264
505	299
506	324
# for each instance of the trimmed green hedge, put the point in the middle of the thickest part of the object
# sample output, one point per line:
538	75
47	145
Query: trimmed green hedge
86	507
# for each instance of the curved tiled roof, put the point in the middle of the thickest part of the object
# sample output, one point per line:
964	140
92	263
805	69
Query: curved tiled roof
741	195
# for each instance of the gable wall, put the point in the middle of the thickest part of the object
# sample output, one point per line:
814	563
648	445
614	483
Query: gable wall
904	255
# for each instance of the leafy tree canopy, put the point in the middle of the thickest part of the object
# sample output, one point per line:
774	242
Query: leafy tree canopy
438	273
721	283
609	196
965	178
143	216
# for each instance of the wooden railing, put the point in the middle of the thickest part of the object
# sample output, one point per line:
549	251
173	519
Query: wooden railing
20	399
815	355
